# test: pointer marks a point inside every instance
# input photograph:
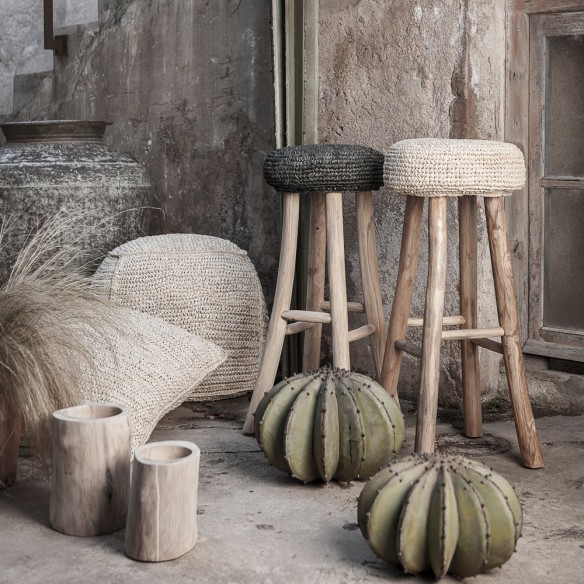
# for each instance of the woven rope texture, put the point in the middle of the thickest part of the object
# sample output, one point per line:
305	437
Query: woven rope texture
324	167
149	365
203	284
432	167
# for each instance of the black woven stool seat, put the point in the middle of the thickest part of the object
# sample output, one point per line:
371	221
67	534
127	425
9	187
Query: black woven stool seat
324	167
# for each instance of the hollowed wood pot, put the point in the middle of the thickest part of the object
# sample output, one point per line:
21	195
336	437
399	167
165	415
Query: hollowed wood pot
9	441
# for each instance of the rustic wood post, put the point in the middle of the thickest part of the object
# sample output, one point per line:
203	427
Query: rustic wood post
315	279
402	298
91	469
9	442
469	352
432	331
370	275
282	300
529	444
337	280
162	516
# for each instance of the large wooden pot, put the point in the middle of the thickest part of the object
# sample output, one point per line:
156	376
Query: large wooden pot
162	513
53	165
9	440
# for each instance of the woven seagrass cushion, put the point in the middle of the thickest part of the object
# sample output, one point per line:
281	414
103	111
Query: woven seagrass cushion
324	167
433	167
147	364
203	284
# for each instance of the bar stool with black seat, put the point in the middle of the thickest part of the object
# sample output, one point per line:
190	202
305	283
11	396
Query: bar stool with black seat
437	169
323	172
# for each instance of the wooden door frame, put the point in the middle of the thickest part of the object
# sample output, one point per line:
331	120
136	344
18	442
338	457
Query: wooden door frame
295	36
523	19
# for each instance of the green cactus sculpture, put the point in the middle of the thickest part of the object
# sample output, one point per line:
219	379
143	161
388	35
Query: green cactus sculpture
444	513
329	423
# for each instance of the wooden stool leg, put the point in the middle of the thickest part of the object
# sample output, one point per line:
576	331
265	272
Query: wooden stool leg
402	299
370	275
282	299
432	333
337	280
315	284
471	389
529	444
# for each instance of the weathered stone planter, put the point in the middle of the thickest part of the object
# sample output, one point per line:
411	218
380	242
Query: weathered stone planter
52	166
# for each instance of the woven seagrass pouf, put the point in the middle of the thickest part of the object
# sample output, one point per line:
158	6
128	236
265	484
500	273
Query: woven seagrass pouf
434	167
324	167
203	284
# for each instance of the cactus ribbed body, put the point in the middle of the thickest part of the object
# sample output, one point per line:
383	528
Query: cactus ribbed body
329	423
440	513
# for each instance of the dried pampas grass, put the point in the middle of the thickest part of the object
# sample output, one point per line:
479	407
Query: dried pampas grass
46	315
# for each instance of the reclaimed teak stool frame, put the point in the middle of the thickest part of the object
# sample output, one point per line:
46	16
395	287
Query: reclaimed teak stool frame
438	169
325	171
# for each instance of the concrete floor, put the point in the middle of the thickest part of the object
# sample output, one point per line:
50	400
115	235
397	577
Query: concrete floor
257	525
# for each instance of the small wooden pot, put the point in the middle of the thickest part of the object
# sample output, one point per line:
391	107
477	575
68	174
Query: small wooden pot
91	469
162	515
9	440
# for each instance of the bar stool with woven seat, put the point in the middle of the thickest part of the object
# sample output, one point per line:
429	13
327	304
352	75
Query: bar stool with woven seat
325	171
438	169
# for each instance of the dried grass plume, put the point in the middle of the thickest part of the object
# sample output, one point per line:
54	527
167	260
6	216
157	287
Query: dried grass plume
46	314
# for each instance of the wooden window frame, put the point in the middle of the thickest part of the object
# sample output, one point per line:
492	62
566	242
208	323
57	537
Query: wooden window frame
527	24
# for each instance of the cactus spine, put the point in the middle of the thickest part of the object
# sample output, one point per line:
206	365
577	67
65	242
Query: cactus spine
327	424
444	513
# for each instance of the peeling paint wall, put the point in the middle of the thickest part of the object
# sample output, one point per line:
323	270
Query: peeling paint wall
188	87
414	68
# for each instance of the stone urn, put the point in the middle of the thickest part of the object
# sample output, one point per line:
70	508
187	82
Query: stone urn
64	167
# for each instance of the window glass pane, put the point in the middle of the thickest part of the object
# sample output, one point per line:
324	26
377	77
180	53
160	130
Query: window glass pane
563	305
565	106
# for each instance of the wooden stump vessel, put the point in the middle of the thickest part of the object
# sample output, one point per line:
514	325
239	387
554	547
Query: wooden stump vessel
9	442
91	469
162	516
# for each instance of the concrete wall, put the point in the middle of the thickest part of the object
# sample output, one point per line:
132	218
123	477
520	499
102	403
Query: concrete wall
71	12
22	45
188	87
415	68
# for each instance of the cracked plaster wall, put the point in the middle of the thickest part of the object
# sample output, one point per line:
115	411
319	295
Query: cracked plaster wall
188	87
195	106
414	68
21	45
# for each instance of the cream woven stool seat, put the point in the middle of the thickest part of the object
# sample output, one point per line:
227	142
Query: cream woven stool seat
438	169
325	171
